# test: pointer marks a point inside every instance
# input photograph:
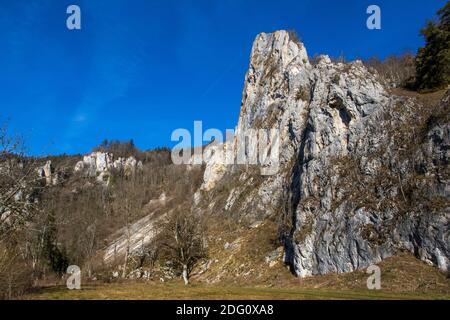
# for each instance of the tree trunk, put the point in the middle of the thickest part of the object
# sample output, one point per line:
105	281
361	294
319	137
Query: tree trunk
185	275
124	267
124	271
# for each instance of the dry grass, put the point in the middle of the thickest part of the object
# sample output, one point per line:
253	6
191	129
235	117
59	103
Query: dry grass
428	99
402	273
243	264
177	291
241	272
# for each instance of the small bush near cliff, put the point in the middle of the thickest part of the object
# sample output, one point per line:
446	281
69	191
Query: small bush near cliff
293	35
336	79
302	94
396	71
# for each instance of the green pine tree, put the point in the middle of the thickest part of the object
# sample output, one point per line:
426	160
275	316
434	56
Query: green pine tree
433	60
56	258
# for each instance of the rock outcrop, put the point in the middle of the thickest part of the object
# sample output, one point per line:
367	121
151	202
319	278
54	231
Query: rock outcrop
135	238
363	173
99	164
48	173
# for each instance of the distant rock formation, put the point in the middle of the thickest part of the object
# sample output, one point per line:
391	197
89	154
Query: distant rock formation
99	164
48	172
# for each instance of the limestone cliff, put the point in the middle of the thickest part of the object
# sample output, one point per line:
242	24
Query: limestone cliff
363	172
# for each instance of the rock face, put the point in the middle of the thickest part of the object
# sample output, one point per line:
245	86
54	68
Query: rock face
48	172
135	238
98	164
363	173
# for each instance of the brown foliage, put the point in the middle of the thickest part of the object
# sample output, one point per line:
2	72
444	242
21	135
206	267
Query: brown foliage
397	71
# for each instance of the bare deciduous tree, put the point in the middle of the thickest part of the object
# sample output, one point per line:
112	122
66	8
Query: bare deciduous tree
18	184
128	205
182	239
397	71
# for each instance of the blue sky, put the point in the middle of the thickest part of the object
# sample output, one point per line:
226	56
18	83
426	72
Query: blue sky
139	69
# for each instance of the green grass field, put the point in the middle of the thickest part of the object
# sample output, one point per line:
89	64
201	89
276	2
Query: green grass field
177	291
